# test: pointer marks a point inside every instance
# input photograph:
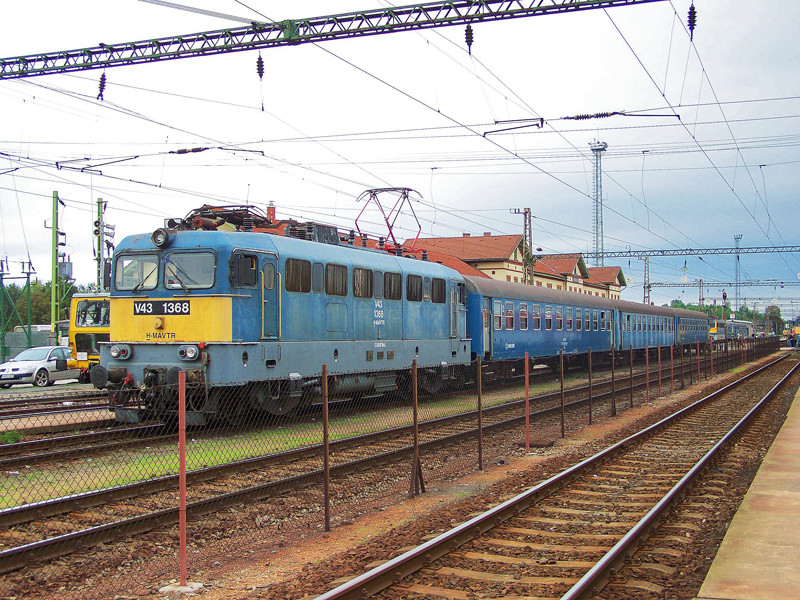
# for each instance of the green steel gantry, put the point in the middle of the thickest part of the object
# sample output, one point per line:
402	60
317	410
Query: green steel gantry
260	35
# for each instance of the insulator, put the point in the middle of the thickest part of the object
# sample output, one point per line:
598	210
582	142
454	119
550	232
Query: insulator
468	38
260	66
102	86
692	21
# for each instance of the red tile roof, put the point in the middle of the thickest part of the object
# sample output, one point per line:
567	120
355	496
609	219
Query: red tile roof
474	248
607	275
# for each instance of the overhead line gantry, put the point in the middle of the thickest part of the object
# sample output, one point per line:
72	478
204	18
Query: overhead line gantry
259	35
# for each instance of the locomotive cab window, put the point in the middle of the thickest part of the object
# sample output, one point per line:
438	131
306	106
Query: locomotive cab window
414	288
362	283
136	272
191	270
298	275
336	280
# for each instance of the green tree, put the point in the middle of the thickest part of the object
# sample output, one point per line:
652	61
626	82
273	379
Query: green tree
773	315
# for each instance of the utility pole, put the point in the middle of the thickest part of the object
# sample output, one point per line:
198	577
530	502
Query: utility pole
737	238
102	231
527	256
646	284
597	189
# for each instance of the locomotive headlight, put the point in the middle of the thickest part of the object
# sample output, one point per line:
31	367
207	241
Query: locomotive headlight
120	351
188	352
161	237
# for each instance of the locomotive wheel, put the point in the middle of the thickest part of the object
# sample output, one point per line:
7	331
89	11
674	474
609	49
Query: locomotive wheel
273	400
430	382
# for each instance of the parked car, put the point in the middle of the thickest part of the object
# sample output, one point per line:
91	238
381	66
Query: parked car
40	366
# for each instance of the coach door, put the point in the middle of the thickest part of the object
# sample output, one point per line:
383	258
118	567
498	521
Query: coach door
270	298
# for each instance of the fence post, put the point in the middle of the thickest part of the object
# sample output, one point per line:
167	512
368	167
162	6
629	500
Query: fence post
659	370
326	449
417	483
711	355
590	385
480	415
561	356
698	361
527	407
630	347
672	369
182	471
613	387
689	345
647	372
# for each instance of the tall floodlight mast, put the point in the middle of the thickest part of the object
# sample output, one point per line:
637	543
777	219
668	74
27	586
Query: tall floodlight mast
597	190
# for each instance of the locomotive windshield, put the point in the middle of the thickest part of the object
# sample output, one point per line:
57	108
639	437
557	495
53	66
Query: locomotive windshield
136	272
189	270
92	313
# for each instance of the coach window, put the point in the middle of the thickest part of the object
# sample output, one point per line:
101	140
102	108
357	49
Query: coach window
298	275
537	318
559	318
510	316
628	322
523	317
569	318
548	317
587	326
318	278
336	280
377	284
439	291
192	270
414	288
602	320
594	320
578	319
393	286
608	320
362	283
497	316
269	276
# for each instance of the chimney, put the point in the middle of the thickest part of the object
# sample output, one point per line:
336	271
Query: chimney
465	234
487	234
271	212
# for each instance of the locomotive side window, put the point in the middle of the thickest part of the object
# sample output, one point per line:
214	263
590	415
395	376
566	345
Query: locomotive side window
569	318
559	318
318	278
269	276
537	318
190	270
548	317
378	284
362	283
497	316
523	317
298	275
336	280
243	271
136	272
510	316
414	288
426	289
578	319
439	291
393	286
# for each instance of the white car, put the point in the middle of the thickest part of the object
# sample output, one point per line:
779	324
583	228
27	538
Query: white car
37	366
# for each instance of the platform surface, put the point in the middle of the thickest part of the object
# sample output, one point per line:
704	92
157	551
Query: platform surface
759	559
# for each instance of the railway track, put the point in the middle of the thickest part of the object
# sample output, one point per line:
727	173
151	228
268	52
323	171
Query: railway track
56	527
564	537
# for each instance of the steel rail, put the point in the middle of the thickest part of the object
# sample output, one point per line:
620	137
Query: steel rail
391	571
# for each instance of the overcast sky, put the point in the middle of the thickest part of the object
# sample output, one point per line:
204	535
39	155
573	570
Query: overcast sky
411	110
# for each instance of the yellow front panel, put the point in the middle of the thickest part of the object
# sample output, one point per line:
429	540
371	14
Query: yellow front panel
165	319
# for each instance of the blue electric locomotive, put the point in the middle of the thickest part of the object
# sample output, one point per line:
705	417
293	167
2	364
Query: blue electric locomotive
244	307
